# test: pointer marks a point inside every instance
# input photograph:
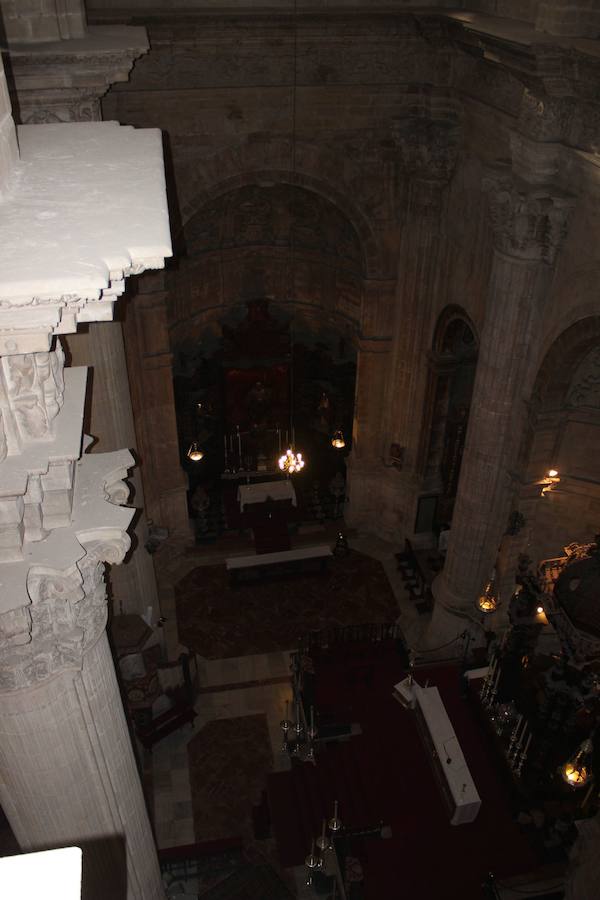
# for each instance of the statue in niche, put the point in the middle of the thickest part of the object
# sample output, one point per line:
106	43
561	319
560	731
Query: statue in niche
454	444
324	410
258	404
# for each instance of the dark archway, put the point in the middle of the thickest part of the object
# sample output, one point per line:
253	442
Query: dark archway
452	367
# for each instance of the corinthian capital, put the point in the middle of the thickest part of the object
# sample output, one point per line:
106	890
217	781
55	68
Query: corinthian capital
53	605
529	221
428	148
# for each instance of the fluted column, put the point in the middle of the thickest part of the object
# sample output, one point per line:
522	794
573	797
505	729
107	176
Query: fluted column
529	224
68	773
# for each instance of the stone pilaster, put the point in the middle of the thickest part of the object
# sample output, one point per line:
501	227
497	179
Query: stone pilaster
151	378
427	163
365	463
133	583
529	224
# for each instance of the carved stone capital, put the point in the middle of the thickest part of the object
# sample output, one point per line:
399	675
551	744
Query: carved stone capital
53	602
529	221
428	149
31	396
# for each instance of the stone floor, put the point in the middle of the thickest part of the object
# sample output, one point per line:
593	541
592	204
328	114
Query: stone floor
246	686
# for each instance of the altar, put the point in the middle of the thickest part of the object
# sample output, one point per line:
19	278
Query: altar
266	490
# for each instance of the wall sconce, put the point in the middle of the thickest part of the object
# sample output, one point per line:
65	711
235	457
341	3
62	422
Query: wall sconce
550	481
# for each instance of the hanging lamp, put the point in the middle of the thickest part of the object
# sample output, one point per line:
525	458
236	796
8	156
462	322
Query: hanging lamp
577	771
195	453
489	600
337	441
292	461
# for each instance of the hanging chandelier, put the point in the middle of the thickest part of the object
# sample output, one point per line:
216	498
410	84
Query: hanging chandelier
337	440
291	462
578	770
195	453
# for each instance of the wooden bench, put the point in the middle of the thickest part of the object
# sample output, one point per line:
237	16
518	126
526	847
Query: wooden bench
165	724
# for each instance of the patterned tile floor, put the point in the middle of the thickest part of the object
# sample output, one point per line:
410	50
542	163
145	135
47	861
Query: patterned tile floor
242	686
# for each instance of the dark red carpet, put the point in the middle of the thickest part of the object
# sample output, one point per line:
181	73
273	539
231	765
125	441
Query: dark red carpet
384	775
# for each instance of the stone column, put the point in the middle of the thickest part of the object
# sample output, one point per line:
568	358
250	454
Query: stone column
529	224
67	770
69	776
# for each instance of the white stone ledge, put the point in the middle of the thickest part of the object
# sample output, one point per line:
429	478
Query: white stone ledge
90	209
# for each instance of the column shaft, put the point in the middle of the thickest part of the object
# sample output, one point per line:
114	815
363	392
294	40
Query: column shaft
529	223
69	777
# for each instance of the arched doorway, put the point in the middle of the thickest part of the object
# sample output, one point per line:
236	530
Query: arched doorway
452	367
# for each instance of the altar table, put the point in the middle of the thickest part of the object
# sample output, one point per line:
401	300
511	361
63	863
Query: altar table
266	490
284	562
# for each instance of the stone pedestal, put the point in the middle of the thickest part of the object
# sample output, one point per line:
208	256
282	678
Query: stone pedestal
529	224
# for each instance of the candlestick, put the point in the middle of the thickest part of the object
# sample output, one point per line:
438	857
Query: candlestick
323	841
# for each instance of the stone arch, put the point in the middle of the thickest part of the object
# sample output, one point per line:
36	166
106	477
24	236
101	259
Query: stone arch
239	247
564	433
561	360
317	170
